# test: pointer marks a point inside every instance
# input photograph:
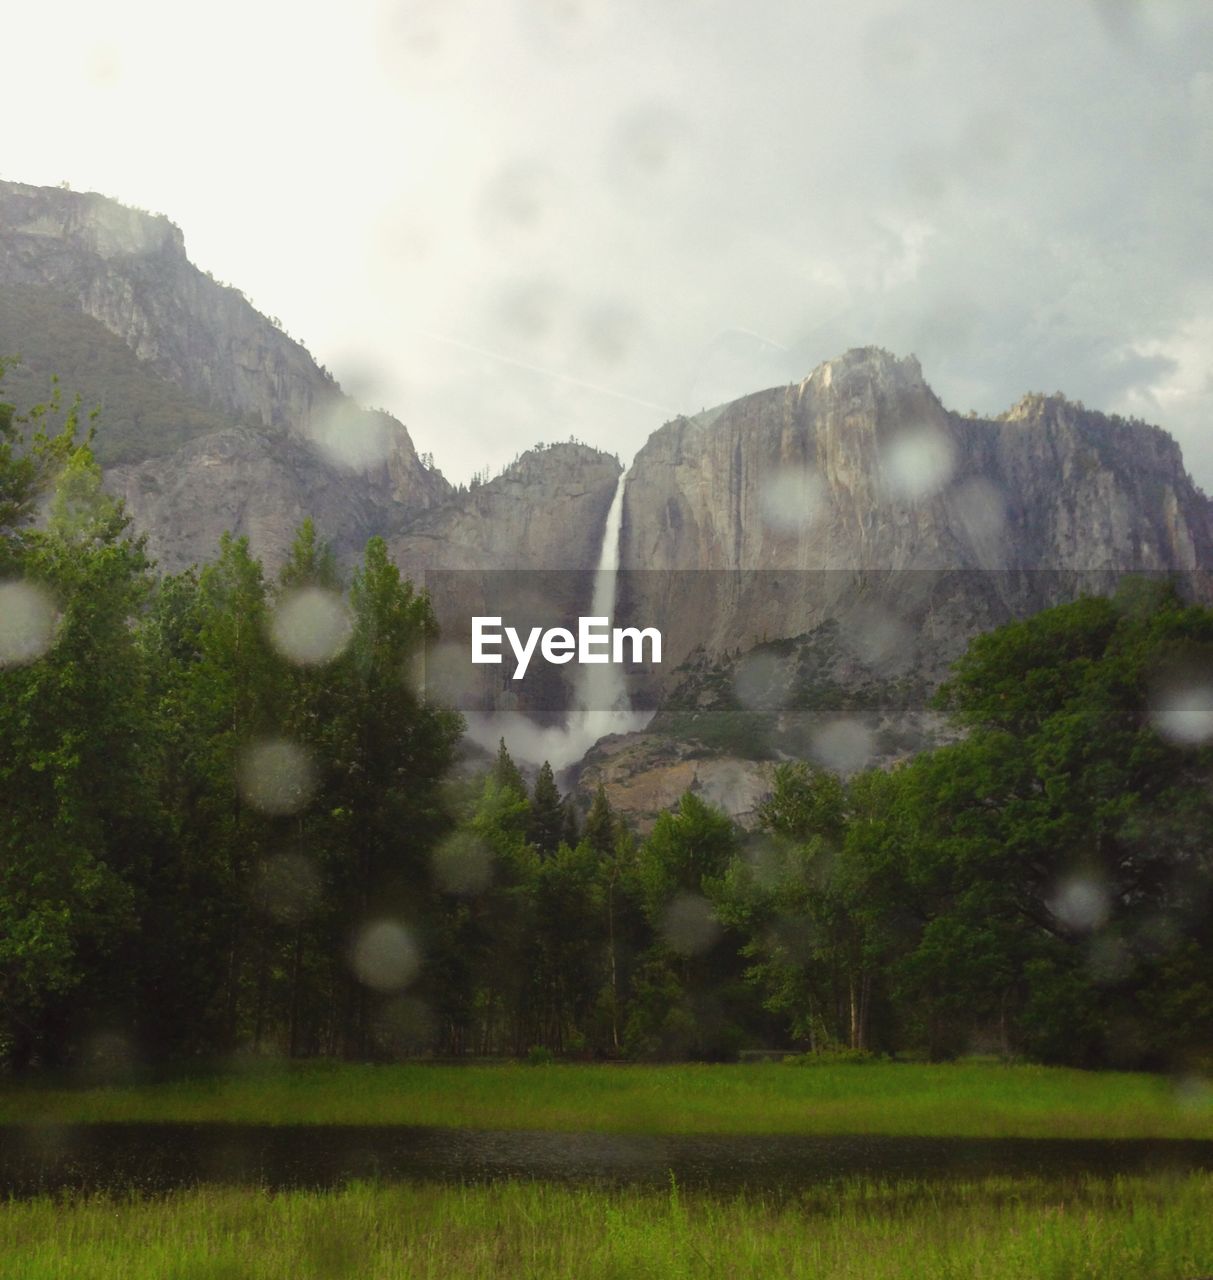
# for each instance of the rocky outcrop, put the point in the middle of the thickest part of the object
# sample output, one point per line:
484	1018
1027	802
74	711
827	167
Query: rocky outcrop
545	511
856	493
128	271
245	481
646	774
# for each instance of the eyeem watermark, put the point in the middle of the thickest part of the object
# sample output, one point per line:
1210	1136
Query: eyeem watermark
596	641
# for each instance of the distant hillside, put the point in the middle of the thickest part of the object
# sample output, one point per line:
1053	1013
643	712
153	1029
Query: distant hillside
213	419
142	414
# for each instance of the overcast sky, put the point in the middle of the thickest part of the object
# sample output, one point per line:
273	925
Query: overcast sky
515	220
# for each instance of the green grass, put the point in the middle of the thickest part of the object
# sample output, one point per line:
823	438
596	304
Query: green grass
970	1099
1130	1229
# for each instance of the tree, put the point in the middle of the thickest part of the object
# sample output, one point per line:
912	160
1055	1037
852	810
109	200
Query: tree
547	813
506	773
75	826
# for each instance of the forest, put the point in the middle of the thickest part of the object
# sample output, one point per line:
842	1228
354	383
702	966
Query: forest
231	822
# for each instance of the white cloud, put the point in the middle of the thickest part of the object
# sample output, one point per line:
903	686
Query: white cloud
1019	195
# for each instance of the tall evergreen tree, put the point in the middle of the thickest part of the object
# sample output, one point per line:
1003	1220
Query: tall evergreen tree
547	812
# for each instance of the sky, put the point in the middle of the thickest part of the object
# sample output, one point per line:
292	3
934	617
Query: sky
514	221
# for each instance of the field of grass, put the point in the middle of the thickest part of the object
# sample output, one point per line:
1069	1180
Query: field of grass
1130	1229
967	1099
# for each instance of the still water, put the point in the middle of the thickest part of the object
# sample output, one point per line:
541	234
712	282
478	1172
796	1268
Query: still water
161	1157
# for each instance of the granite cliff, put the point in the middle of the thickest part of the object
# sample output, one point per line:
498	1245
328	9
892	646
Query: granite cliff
271	435
814	554
855	494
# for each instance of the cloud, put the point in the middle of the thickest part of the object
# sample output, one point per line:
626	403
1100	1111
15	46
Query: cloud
664	204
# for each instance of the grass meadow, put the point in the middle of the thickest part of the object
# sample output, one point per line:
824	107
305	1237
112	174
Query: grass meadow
1130	1229
964	1099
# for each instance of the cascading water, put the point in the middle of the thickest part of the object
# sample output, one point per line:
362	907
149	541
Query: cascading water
602	704
600	695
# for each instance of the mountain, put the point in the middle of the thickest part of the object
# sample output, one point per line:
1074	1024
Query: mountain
858	477
545	511
814	554
213	418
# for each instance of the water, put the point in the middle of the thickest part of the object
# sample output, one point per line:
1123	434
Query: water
600	699
161	1157
602	704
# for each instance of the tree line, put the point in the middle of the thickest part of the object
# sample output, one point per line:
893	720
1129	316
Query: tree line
231	821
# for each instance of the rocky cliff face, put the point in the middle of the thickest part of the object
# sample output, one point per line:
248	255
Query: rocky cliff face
856	490
546	511
129	272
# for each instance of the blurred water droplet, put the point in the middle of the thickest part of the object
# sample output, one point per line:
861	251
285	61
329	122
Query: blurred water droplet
28	619
609	331
791	938
1081	903
1183	713
384	956
276	776
981	510
518	201
108	1057
351	436
288	887
311	626
760	683
649	145
564	26
843	746
792	499
1193	1093
689	927
462	864
917	463
528	308
765	860
878	637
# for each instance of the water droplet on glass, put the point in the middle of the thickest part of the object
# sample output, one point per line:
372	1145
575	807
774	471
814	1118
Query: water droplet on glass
917	463
1183	713
384	956
28	619
843	746
760	683
609	332
980	509
353	437
311	626
792	499
462	864
690	927
650	145
518	201
276	776
288	887
877	636
1081	903
108	1056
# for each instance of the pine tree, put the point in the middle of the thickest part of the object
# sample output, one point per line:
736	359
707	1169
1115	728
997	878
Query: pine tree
599	831
547	812
506	773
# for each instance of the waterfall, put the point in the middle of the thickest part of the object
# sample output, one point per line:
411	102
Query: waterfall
601	704
602	687
600	696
